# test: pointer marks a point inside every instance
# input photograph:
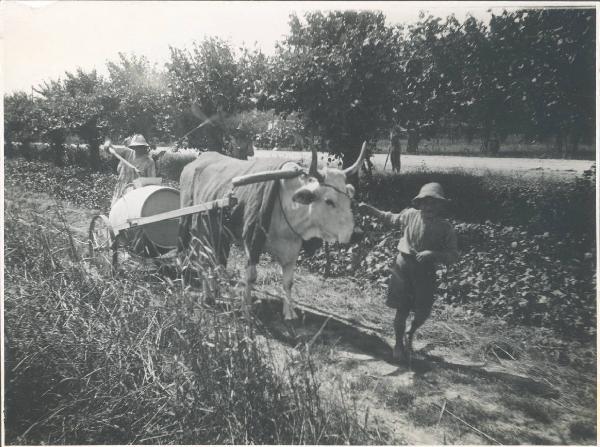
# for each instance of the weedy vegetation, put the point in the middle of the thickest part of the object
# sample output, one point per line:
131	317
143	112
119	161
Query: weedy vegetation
136	358
139	358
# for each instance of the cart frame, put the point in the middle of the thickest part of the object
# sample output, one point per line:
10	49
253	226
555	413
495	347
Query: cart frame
102	236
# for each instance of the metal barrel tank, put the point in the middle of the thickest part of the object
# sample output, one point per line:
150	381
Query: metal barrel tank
156	238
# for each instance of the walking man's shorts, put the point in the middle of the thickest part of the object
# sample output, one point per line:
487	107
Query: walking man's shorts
411	285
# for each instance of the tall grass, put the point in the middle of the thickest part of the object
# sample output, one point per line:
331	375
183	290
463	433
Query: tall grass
137	358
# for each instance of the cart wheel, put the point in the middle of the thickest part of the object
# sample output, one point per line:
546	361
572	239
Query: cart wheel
101	239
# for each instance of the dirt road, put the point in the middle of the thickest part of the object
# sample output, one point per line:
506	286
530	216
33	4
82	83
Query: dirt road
480	165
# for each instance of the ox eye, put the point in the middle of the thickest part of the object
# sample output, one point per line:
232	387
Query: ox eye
330	203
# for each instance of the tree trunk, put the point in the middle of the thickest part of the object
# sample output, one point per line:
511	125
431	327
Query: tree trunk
490	143
494	144
26	149
469	134
559	142
94	146
59	152
573	137
412	144
9	149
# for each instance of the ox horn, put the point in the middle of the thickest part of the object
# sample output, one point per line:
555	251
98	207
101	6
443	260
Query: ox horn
313	166
265	176
354	168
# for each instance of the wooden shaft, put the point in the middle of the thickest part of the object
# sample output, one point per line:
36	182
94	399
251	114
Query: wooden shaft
174	214
112	151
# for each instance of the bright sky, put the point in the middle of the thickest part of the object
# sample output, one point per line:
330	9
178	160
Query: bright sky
43	39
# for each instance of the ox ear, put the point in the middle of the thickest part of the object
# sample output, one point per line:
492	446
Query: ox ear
304	196
350	190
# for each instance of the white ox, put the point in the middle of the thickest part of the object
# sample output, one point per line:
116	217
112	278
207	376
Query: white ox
310	205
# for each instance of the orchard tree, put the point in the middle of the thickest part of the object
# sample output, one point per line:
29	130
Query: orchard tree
54	109
338	70
207	81
88	105
255	72
428	77
486	99
139	99
552	70
20	121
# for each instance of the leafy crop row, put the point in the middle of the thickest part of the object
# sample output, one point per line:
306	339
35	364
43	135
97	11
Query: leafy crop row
536	267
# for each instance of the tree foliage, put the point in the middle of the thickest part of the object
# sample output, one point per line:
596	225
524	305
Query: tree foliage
89	106
335	70
345	76
213	79
20	120
550	57
54	116
139	97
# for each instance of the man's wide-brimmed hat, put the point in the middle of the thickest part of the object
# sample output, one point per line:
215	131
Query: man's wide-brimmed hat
138	140
432	190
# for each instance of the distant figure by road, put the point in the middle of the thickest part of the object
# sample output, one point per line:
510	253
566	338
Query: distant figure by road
368	163
395	149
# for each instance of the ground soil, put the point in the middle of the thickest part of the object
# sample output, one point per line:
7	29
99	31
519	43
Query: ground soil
472	379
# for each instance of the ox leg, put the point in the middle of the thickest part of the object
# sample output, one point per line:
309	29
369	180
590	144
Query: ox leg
250	281
287	271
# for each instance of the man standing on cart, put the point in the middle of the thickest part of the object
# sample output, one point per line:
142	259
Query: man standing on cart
139	163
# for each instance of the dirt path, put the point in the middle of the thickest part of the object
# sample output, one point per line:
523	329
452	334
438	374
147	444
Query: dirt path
481	165
473	380
495	384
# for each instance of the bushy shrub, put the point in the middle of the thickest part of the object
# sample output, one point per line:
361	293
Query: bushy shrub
172	163
537	203
72	155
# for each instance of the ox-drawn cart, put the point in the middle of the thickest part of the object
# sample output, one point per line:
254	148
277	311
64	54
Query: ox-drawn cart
144	221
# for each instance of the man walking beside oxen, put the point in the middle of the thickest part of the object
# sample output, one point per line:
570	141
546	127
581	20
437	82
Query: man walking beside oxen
427	240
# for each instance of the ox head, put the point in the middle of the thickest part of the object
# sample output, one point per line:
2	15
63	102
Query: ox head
317	203
328	197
